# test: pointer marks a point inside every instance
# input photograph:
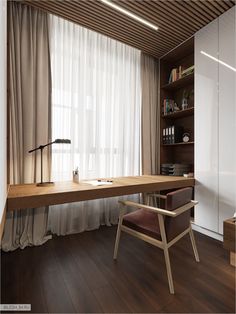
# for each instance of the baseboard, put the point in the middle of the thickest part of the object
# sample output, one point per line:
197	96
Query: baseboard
207	232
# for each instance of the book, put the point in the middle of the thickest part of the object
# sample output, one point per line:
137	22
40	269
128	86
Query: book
176	134
164	136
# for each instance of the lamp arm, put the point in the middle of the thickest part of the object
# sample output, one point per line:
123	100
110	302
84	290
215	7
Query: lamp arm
41	147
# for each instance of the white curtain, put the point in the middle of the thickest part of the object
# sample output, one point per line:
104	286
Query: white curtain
96	102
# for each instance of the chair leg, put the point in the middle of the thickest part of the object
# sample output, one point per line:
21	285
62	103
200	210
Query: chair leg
168	269
117	237
194	244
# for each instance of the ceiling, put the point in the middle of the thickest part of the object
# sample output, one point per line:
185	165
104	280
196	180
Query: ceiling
177	19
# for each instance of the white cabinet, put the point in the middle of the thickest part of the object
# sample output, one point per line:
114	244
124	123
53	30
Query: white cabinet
215	122
227	117
206	127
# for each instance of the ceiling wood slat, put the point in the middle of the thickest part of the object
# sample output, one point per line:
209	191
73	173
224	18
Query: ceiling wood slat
213	6
197	8
81	17
159	17
190	13
205	8
177	19
93	17
152	36
106	31
221	4
157	35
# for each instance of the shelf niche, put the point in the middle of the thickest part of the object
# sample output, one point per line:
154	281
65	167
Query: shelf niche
182	56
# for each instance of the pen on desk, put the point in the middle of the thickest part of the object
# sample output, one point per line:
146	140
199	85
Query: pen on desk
99	180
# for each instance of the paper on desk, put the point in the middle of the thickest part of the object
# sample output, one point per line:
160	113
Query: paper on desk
97	183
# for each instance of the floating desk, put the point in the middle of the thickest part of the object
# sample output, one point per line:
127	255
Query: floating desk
22	196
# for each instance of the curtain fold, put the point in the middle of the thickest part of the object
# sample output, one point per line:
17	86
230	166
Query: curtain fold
30	117
150	130
96	102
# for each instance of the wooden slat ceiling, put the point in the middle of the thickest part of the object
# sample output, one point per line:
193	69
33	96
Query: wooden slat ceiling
177	19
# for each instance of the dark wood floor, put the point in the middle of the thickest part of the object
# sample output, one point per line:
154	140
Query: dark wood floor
76	274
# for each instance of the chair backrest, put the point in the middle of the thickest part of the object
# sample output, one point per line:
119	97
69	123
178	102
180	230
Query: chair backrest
177	225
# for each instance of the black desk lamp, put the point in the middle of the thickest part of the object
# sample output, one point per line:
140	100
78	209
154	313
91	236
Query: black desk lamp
41	147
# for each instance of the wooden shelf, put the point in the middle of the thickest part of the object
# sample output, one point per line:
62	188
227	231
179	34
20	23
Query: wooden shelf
182	56
188	79
179	114
177	144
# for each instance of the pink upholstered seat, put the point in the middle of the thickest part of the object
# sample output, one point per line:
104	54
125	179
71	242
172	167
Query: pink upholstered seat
143	221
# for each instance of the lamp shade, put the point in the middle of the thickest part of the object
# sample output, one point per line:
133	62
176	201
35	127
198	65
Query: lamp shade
62	141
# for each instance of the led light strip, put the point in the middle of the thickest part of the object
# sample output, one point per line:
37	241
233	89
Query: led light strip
133	16
217	60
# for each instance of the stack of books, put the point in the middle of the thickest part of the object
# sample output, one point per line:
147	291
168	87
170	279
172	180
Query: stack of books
168	106
172	134
175	74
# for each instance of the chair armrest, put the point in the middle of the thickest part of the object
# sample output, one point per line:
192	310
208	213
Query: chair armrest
184	208
161	211
150	208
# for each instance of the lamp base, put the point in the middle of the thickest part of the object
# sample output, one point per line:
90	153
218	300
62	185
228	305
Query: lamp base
45	184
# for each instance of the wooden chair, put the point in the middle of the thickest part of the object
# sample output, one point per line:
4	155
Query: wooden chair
160	227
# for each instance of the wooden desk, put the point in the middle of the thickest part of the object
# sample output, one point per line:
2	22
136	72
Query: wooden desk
31	196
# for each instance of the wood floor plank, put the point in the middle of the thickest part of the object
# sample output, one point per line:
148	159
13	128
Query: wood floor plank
57	297
77	274
82	297
118	277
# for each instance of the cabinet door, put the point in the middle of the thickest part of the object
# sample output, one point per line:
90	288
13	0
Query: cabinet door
227	117
206	127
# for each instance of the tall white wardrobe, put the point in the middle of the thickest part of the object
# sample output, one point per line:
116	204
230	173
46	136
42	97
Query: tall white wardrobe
215	123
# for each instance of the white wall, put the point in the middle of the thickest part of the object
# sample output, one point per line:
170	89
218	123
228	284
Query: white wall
215	123
3	106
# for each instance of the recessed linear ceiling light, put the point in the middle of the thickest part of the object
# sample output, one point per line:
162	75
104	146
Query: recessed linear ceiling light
217	60
133	16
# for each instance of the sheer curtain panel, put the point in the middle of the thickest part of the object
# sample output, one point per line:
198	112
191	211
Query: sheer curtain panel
96	102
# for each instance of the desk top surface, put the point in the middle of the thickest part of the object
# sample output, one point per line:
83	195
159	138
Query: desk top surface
30	195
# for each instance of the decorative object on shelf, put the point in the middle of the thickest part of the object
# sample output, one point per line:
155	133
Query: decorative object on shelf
185	99
41	147
76	175
188	71
186	137
188	175
187	96
184	104
176	107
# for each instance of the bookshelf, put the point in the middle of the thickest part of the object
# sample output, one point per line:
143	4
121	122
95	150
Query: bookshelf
177	88
181	82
